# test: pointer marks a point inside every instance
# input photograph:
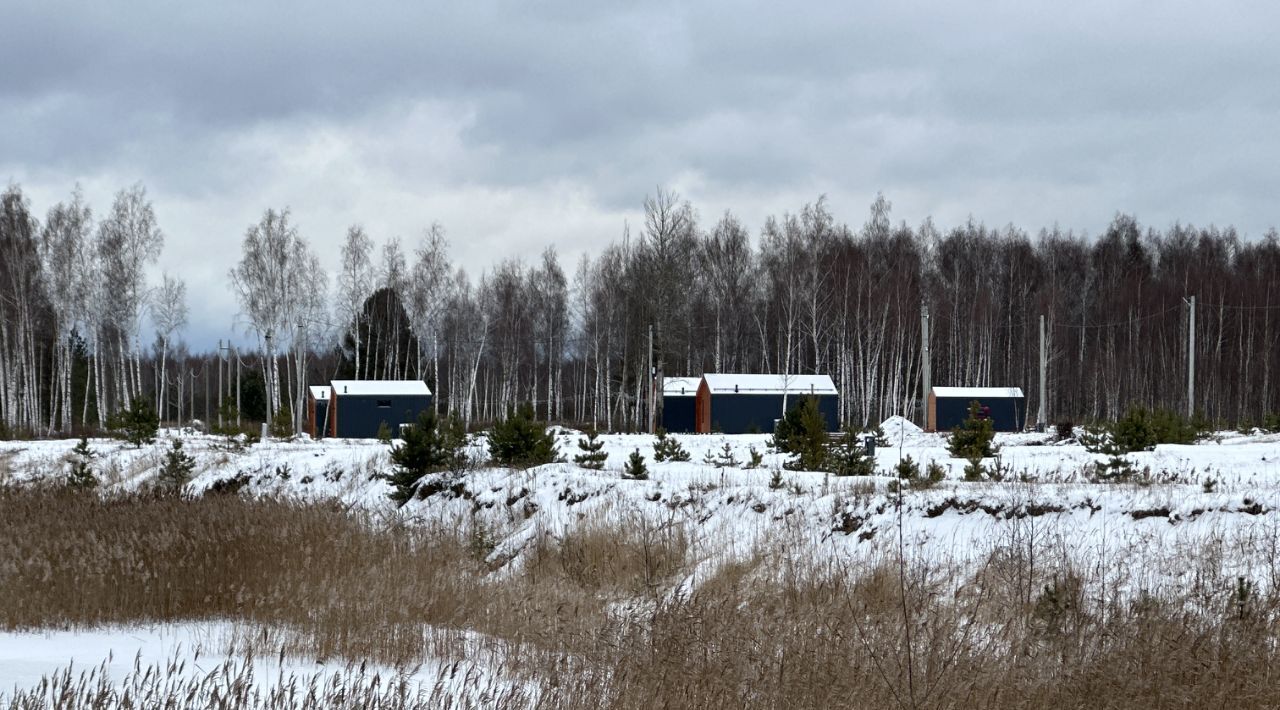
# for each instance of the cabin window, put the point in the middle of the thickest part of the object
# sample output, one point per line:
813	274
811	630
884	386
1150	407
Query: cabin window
384	404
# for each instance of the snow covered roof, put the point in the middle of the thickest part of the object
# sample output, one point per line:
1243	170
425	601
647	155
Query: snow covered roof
320	391
770	384
978	392
680	386
369	388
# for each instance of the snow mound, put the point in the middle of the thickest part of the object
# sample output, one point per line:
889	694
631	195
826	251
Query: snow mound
894	424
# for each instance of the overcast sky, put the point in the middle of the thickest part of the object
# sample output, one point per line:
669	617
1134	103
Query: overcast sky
521	125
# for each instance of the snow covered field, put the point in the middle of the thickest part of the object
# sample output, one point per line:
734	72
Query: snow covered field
207	662
1220	496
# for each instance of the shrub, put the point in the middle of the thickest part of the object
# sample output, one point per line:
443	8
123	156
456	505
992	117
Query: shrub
1271	423
775	481
1117	469
1058	602
1065	430
282	424
81	473
428	447
384	432
635	468
177	469
519	440
972	439
138	424
847	456
668	449
592	456
228	413
756	459
1097	439
1141	430
934	474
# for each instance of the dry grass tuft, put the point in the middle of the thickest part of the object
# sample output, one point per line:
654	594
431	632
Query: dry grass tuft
587	620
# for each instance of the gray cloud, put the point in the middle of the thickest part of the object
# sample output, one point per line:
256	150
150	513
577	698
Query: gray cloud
518	125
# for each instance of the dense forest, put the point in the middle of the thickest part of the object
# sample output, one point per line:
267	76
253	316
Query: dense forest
83	332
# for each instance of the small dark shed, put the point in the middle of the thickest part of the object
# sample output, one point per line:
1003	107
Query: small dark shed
678	397
318	410
742	404
357	408
949	406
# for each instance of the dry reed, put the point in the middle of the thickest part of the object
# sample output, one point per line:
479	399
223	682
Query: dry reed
592	619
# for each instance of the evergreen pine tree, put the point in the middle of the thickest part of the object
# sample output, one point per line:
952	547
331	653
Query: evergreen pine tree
972	439
882	440
635	468
666	448
756	458
519	440
177	469
139	423
429	446
908	469
803	433
975	471
81	473
847	456
592	456
725	458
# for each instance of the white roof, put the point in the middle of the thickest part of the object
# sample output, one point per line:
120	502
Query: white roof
978	392
770	384
320	391
680	386
368	388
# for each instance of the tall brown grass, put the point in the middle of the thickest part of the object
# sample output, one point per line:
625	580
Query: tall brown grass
598	617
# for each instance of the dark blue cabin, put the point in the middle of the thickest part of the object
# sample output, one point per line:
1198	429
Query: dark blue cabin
1006	407
745	404
679	395
318	411
358	408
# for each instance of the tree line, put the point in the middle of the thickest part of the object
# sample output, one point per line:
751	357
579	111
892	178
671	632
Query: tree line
677	295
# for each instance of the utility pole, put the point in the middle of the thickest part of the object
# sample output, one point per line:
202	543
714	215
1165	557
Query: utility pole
222	357
925	374
220	425
300	359
237	354
1191	360
1043	422
652	410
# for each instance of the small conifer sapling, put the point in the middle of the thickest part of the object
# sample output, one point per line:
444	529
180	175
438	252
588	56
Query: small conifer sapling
81	473
635	468
177	469
592	456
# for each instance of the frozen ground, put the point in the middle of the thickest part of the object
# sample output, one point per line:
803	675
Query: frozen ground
1220	496
201	662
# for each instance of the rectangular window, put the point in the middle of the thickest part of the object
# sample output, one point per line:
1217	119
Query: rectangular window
384	404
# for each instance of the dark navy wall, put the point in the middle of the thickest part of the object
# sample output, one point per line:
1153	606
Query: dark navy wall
322	423
744	413
360	416
1007	413
678	414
